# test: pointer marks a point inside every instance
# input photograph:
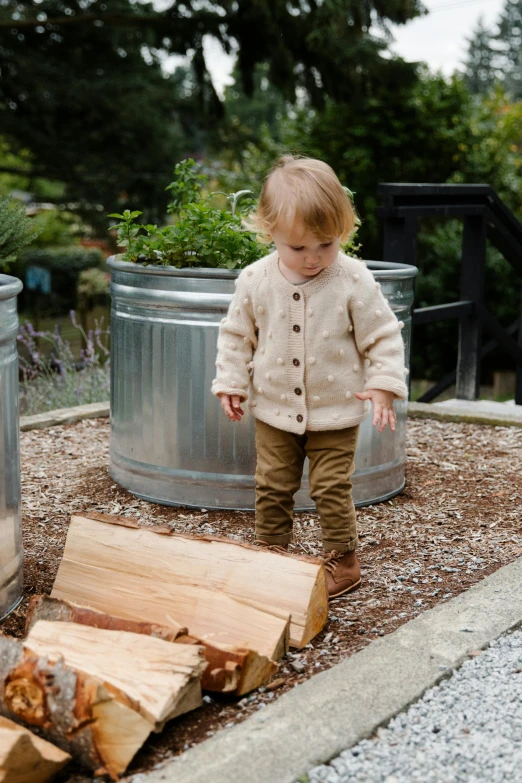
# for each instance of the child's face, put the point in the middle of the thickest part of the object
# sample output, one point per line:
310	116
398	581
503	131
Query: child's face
301	252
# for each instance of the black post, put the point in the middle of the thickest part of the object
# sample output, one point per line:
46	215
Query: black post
400	234
471	287
518	386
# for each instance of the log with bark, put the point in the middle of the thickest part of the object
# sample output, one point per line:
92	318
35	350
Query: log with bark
225	592
26	758
97	693
229	670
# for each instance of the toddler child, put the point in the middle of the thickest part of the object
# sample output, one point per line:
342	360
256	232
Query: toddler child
309	340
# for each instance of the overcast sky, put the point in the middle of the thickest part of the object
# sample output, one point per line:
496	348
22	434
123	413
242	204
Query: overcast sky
438	38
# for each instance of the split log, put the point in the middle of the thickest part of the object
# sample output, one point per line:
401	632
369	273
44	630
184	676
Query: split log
159	679
229	670
225	592
95	693
42	607
26	758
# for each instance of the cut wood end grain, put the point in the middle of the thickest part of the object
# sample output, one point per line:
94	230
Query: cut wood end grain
26	758
148	674
97	693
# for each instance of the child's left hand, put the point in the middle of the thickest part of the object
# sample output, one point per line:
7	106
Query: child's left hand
382	407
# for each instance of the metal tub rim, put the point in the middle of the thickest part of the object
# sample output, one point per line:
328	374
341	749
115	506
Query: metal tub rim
9	286
382	270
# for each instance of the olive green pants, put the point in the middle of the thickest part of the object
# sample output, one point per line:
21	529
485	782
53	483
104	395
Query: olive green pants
280	460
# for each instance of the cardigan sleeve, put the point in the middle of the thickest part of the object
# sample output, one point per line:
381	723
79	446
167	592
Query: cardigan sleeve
378	337
236	343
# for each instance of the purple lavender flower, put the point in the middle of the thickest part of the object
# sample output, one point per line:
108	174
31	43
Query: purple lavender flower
72	316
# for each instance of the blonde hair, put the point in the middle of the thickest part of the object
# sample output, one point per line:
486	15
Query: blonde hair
305	189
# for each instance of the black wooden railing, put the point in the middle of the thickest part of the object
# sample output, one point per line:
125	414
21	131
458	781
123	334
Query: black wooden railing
485	216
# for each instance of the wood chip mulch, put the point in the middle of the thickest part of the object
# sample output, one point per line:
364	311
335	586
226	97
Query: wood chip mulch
457	520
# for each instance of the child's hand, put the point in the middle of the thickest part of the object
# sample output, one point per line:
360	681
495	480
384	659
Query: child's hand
382	407
232	406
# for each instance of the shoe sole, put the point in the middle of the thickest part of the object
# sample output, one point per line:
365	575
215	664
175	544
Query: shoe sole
349	589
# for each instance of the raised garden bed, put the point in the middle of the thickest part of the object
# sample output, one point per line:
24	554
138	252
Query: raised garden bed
457	520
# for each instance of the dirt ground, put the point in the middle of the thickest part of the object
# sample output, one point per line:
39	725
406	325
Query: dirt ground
457	520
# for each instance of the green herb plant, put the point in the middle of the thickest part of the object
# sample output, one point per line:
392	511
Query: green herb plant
203	235
16	230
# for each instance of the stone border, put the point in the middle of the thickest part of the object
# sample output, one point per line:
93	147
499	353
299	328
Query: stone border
40	421
416	410
467	414
334	710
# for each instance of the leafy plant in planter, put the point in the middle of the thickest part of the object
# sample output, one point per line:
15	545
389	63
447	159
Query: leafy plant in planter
203	235
16	230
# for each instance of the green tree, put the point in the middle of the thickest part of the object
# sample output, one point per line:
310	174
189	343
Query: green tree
92	112
480	71
245	116
510	41
400	133
330	48
16	231
82	87
497	56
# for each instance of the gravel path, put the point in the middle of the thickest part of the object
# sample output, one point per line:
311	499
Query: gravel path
466	730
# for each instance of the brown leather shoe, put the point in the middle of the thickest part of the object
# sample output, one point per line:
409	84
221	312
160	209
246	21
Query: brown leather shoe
343	573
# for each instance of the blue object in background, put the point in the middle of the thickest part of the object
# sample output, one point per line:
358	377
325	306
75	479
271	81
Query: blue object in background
38	279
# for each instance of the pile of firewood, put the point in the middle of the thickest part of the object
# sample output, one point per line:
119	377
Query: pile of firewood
140	620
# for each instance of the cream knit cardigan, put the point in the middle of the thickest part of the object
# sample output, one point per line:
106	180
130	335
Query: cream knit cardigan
303	351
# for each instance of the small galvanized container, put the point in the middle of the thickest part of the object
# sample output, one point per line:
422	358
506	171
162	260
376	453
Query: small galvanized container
11	551
170	441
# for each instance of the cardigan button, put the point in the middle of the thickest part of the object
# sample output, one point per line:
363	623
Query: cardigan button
296	362
298	391
296	296
299	418
297	328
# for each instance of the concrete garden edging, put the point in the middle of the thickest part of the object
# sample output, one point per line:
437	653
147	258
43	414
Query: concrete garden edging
41	421
464	413
495	414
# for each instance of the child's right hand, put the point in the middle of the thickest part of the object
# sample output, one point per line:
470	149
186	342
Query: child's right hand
231	404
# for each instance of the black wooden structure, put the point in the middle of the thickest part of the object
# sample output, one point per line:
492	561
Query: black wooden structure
485	216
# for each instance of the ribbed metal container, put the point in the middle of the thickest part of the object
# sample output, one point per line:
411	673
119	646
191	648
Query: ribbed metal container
11	551
170	441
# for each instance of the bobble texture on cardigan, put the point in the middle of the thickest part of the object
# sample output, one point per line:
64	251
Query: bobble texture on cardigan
309	369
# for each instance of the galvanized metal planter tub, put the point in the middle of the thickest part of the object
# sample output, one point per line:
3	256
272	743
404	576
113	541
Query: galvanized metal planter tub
11	551
170	441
